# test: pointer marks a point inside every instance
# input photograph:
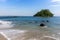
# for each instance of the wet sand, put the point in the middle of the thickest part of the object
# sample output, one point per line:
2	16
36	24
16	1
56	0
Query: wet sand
47	38
2	37
33	35
28	35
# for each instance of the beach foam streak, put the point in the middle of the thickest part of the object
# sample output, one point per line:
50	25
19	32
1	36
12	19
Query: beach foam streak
5	24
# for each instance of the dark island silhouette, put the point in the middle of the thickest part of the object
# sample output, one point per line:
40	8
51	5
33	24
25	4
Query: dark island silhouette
44	13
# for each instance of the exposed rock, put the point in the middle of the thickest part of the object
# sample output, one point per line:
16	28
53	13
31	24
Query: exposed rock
42	24
47	21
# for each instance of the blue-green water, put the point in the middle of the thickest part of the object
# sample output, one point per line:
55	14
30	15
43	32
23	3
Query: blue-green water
27	22
31	24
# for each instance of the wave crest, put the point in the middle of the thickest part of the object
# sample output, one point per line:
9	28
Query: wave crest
5	24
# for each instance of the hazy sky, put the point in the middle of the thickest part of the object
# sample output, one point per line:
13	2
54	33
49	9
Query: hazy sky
28	7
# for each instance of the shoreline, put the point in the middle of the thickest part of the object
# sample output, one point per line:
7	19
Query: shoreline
2	37
8	34
25	35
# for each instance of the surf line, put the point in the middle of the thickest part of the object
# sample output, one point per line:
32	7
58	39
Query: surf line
49	37
5	36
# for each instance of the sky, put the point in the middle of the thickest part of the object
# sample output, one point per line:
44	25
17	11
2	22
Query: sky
28	7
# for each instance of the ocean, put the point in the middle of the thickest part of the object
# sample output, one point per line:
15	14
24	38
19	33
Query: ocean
28	28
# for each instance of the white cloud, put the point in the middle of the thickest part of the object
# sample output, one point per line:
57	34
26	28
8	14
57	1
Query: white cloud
55	3
55	0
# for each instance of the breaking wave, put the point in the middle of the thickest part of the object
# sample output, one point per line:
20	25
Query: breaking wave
5	24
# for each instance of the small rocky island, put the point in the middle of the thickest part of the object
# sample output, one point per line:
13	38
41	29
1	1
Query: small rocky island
44	13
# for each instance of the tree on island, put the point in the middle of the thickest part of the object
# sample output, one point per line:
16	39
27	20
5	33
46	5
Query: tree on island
44	13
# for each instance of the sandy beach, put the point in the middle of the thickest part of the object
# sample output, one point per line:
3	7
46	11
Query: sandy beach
27	35
34	35
2	37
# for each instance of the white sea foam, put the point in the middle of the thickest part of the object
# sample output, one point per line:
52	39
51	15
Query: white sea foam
14	34
50	37
10	34
4	35
5	24
12	31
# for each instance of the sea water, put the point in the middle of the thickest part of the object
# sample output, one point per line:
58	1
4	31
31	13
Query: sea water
28	28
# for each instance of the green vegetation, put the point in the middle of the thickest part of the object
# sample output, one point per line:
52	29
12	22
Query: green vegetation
44	13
